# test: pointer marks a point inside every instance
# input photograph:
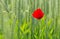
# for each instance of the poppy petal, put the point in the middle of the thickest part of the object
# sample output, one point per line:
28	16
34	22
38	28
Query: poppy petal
38	13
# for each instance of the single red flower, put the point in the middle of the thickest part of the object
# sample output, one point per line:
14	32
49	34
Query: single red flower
38	13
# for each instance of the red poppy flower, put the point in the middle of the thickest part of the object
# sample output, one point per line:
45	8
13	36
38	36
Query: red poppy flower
38	13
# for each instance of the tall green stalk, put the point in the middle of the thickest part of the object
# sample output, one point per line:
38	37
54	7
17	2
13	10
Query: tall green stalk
18	34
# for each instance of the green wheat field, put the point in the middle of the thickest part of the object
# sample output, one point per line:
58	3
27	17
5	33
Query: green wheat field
16	21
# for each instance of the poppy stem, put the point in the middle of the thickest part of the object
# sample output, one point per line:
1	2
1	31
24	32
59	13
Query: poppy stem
38	29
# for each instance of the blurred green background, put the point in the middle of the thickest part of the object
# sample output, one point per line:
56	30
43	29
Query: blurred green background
16	21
